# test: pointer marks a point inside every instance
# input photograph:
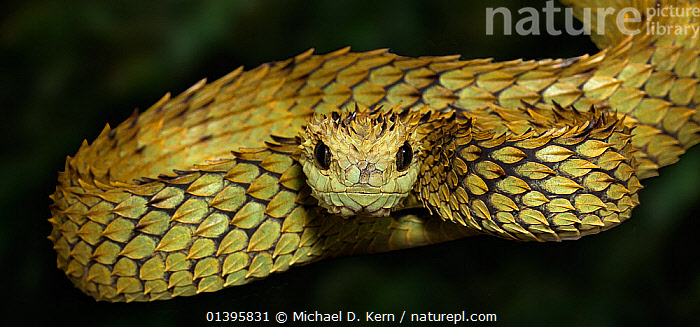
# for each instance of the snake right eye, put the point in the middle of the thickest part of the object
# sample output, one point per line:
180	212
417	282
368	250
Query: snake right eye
323	155
404	157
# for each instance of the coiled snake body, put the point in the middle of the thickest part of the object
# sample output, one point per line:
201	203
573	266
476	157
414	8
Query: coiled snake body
349	153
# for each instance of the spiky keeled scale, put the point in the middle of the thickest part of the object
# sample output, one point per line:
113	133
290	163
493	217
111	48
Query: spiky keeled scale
568	195
210	211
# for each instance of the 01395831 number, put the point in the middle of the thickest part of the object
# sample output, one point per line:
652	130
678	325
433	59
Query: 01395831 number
236	316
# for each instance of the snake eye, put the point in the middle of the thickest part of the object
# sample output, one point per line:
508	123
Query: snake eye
404	157
323	155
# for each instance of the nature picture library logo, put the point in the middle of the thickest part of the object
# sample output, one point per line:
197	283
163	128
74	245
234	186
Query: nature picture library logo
528	20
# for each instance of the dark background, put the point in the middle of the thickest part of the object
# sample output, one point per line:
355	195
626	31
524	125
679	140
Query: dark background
69	67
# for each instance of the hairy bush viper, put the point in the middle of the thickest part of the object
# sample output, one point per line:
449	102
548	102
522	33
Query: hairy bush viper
347	153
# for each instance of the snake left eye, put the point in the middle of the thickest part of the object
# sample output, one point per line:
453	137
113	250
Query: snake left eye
404	157
323	155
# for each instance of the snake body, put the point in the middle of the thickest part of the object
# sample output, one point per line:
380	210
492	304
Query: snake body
347	153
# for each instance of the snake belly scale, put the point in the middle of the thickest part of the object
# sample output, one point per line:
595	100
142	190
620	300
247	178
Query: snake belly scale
347	153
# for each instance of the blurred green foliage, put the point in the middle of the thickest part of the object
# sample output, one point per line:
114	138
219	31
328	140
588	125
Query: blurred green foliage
69	67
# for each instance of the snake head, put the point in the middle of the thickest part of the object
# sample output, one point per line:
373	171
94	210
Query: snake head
361	162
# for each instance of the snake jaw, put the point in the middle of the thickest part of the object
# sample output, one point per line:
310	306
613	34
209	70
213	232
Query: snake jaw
362	176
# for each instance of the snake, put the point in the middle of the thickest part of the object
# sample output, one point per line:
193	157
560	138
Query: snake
346	153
